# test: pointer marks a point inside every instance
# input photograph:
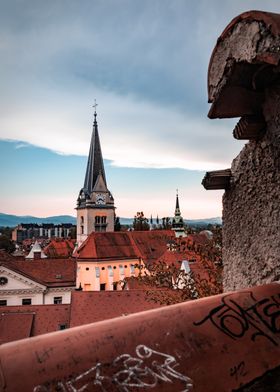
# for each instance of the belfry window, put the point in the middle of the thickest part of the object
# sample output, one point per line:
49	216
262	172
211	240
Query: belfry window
82	220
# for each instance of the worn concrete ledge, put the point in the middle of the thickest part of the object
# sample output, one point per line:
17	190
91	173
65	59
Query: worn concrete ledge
244	62
216	344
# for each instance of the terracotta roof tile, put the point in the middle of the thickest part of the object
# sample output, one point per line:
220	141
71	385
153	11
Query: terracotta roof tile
134	244
18	322
51	272
108	245
92	306
60	248
15	326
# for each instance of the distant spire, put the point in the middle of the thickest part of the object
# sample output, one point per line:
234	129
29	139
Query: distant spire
177	209
95	164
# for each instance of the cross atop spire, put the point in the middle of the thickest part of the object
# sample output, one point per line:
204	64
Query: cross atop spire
95	106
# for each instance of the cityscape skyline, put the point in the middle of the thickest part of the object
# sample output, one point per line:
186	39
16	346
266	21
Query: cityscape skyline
148	75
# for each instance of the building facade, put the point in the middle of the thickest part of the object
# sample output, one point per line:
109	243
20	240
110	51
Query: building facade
95	204
26	231
36	282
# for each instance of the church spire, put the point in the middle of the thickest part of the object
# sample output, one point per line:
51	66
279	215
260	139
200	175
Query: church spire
95	164
178	222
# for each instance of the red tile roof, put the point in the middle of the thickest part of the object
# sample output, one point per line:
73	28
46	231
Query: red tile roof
60	248
116	245
15	326
152	244
148	245
50	272
18	322
92	306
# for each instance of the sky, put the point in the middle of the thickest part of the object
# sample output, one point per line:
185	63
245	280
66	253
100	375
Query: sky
145	62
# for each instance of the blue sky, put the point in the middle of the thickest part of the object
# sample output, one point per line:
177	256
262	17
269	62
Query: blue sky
146	64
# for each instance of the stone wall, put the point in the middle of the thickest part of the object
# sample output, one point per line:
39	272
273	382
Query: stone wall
251	207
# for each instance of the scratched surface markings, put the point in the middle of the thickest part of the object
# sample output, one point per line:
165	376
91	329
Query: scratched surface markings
146	370
259	320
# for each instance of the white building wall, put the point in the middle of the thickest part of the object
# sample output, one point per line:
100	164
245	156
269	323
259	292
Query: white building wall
66	296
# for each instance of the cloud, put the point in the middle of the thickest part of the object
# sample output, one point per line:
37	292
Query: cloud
145	63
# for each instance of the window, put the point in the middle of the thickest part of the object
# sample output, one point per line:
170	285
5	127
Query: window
57	300
121	270
97	272
82	220
103	268
26	301
87	269
3	302
102	286
132	269
97	220
59	276
62	326
110	270
103	219
115	286
82	229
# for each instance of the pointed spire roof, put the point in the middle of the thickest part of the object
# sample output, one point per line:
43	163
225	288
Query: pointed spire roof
36	248
95	164
177	208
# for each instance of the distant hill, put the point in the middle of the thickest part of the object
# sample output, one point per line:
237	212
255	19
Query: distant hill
14	220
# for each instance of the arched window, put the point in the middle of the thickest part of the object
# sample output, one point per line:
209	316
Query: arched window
97	220
82	220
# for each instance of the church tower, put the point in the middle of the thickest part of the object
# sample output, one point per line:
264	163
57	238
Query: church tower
95	204
177	221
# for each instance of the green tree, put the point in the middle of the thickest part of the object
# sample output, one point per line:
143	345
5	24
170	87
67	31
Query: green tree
140	223
166	223
117	226
6	244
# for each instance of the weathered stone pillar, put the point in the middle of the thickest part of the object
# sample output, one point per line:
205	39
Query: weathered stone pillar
244	81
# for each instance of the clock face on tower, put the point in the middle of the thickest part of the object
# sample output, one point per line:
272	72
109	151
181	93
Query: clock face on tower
100	199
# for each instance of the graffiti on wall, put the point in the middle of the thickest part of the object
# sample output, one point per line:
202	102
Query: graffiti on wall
147	369
256	318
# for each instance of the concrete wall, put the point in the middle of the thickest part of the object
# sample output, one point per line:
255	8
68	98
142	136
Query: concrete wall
251	207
